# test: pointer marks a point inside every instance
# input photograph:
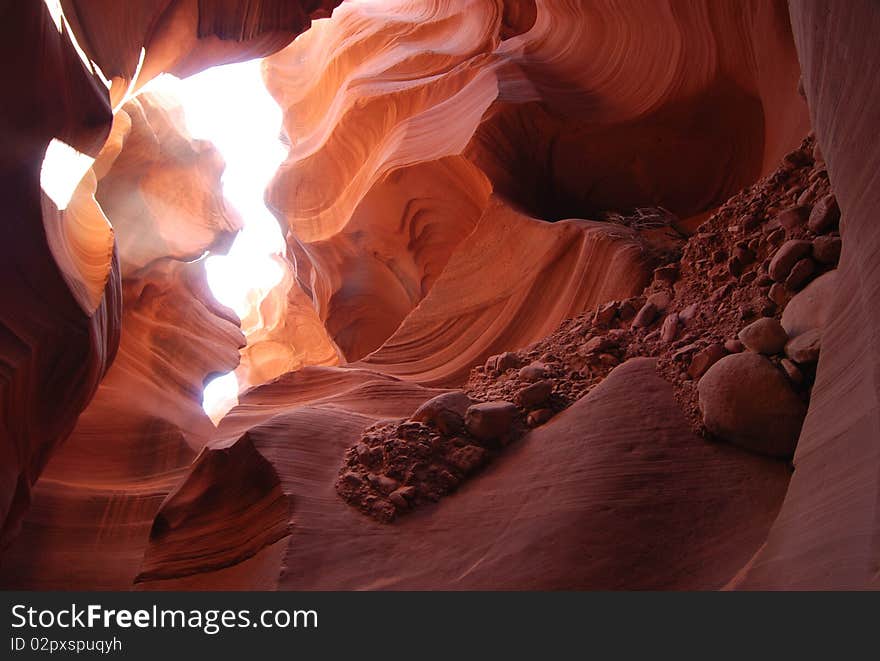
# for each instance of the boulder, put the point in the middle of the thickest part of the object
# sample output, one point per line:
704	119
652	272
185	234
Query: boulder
746	401
786	257
533	372
605	313
801	273
502	362
811	307
793	217
826	249
825	215
645	316
445	412
766	335
535	395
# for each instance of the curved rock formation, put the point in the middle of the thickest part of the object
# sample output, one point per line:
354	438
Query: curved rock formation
570	212
161	188
603	495
569	110
134	43
512	283
59	320
825	536
62	301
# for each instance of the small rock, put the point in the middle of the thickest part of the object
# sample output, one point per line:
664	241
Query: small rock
749	223
793	217
778	294
797	158
490	420
825	215
776	236
535	395
539	417
805	348
669	331
786	257
626	311
533	372
660	299
401	497
746	401
703	360
733	346
666	275
806	196
801	274
744	254
383	483
826	249
734	267
685	350
606	313
792	371
687	315
598	344
645	316
502	362
766	335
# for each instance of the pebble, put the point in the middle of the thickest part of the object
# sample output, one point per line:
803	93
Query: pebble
539	417
703	360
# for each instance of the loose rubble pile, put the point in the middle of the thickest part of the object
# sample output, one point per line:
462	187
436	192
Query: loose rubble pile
735	323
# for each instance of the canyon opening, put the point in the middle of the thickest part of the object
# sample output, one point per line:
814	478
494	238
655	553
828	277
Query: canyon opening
439	295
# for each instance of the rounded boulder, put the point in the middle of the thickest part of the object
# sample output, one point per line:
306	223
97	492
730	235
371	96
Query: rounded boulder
746	401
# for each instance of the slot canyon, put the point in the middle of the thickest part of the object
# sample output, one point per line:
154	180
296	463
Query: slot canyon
567	295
